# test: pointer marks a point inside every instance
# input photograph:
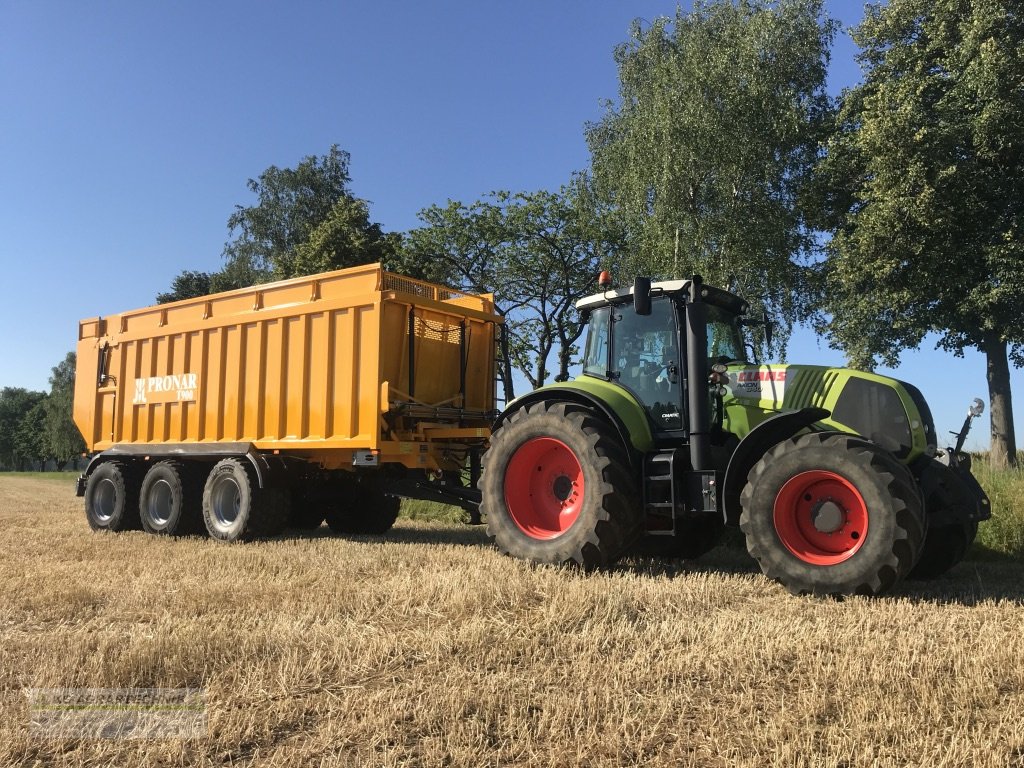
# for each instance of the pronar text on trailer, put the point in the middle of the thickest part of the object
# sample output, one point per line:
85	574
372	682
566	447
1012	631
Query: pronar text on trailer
328	397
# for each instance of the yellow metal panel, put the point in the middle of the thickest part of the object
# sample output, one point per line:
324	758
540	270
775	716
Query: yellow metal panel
298	364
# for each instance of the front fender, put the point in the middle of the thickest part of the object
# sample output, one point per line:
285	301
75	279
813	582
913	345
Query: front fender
756	444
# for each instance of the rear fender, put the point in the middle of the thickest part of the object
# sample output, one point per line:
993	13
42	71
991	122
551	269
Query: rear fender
636	441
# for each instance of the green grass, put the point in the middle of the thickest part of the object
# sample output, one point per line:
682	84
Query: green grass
68	477
1004	533
414	509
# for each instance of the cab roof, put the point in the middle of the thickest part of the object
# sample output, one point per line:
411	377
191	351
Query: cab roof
711	294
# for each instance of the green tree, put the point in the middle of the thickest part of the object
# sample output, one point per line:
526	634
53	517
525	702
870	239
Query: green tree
719	121
305	220
186	285
15	404
63	440
925	180
537	252
30	438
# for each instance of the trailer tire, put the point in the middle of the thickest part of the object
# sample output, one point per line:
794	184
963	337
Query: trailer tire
557	488
872	521
235	508
171	498
305	515
368	510
112	497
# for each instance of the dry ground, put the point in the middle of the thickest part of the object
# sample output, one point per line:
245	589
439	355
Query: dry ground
428	648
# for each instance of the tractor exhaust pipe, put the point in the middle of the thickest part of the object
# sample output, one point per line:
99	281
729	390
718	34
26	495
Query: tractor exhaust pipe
699	405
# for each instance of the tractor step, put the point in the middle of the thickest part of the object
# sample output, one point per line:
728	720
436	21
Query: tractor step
672	493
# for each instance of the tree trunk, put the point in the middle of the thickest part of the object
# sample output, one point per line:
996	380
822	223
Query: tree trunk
1004	442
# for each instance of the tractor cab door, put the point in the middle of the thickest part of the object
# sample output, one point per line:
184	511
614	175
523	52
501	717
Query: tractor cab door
645	359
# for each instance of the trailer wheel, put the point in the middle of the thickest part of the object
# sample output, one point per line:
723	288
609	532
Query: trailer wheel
368	510
235	508
171	498
305	514
112	497
830	514
557	488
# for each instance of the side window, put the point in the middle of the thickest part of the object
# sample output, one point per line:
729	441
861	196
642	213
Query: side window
595	359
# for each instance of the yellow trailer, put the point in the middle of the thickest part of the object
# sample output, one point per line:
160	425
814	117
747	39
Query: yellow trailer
292	393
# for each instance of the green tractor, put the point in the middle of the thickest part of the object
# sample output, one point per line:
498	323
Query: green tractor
671	433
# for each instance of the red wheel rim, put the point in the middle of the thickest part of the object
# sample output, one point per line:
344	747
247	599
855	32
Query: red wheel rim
821	517
544	487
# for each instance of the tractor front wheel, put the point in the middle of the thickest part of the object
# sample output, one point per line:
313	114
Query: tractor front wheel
832	514
557	488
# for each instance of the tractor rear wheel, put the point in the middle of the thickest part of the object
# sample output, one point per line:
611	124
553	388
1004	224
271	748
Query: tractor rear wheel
832	514
557	488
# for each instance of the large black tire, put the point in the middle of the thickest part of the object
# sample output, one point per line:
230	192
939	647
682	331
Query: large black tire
830	514
693	539
171	499
368	510
235	508
557	488
949	500
112	497
304	518
944	547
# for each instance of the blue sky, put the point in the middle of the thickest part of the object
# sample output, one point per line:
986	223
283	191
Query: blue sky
128	130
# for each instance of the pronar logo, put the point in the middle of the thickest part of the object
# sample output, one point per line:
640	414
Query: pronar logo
166	389
759	384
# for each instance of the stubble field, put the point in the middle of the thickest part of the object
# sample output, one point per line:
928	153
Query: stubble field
429	648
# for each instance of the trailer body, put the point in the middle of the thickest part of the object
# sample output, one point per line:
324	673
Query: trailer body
358	367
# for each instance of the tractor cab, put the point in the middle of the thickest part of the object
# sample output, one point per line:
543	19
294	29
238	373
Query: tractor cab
638	339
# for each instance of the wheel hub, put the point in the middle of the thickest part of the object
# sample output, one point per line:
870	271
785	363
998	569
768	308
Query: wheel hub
821	517
544	487
828	517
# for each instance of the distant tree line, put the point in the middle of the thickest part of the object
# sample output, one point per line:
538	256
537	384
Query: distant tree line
37	427
889	213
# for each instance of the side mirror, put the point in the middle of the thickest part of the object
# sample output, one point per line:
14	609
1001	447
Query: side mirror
642	295
768	328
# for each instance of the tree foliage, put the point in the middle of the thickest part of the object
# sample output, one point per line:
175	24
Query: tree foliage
537	252
720	116
18	430
62	439
923	186
305	220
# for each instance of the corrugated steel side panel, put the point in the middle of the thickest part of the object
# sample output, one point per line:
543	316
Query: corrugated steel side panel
296	364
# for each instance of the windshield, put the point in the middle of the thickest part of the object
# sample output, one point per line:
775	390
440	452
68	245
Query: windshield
725	344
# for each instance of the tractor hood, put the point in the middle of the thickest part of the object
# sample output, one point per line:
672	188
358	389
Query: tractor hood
886	411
